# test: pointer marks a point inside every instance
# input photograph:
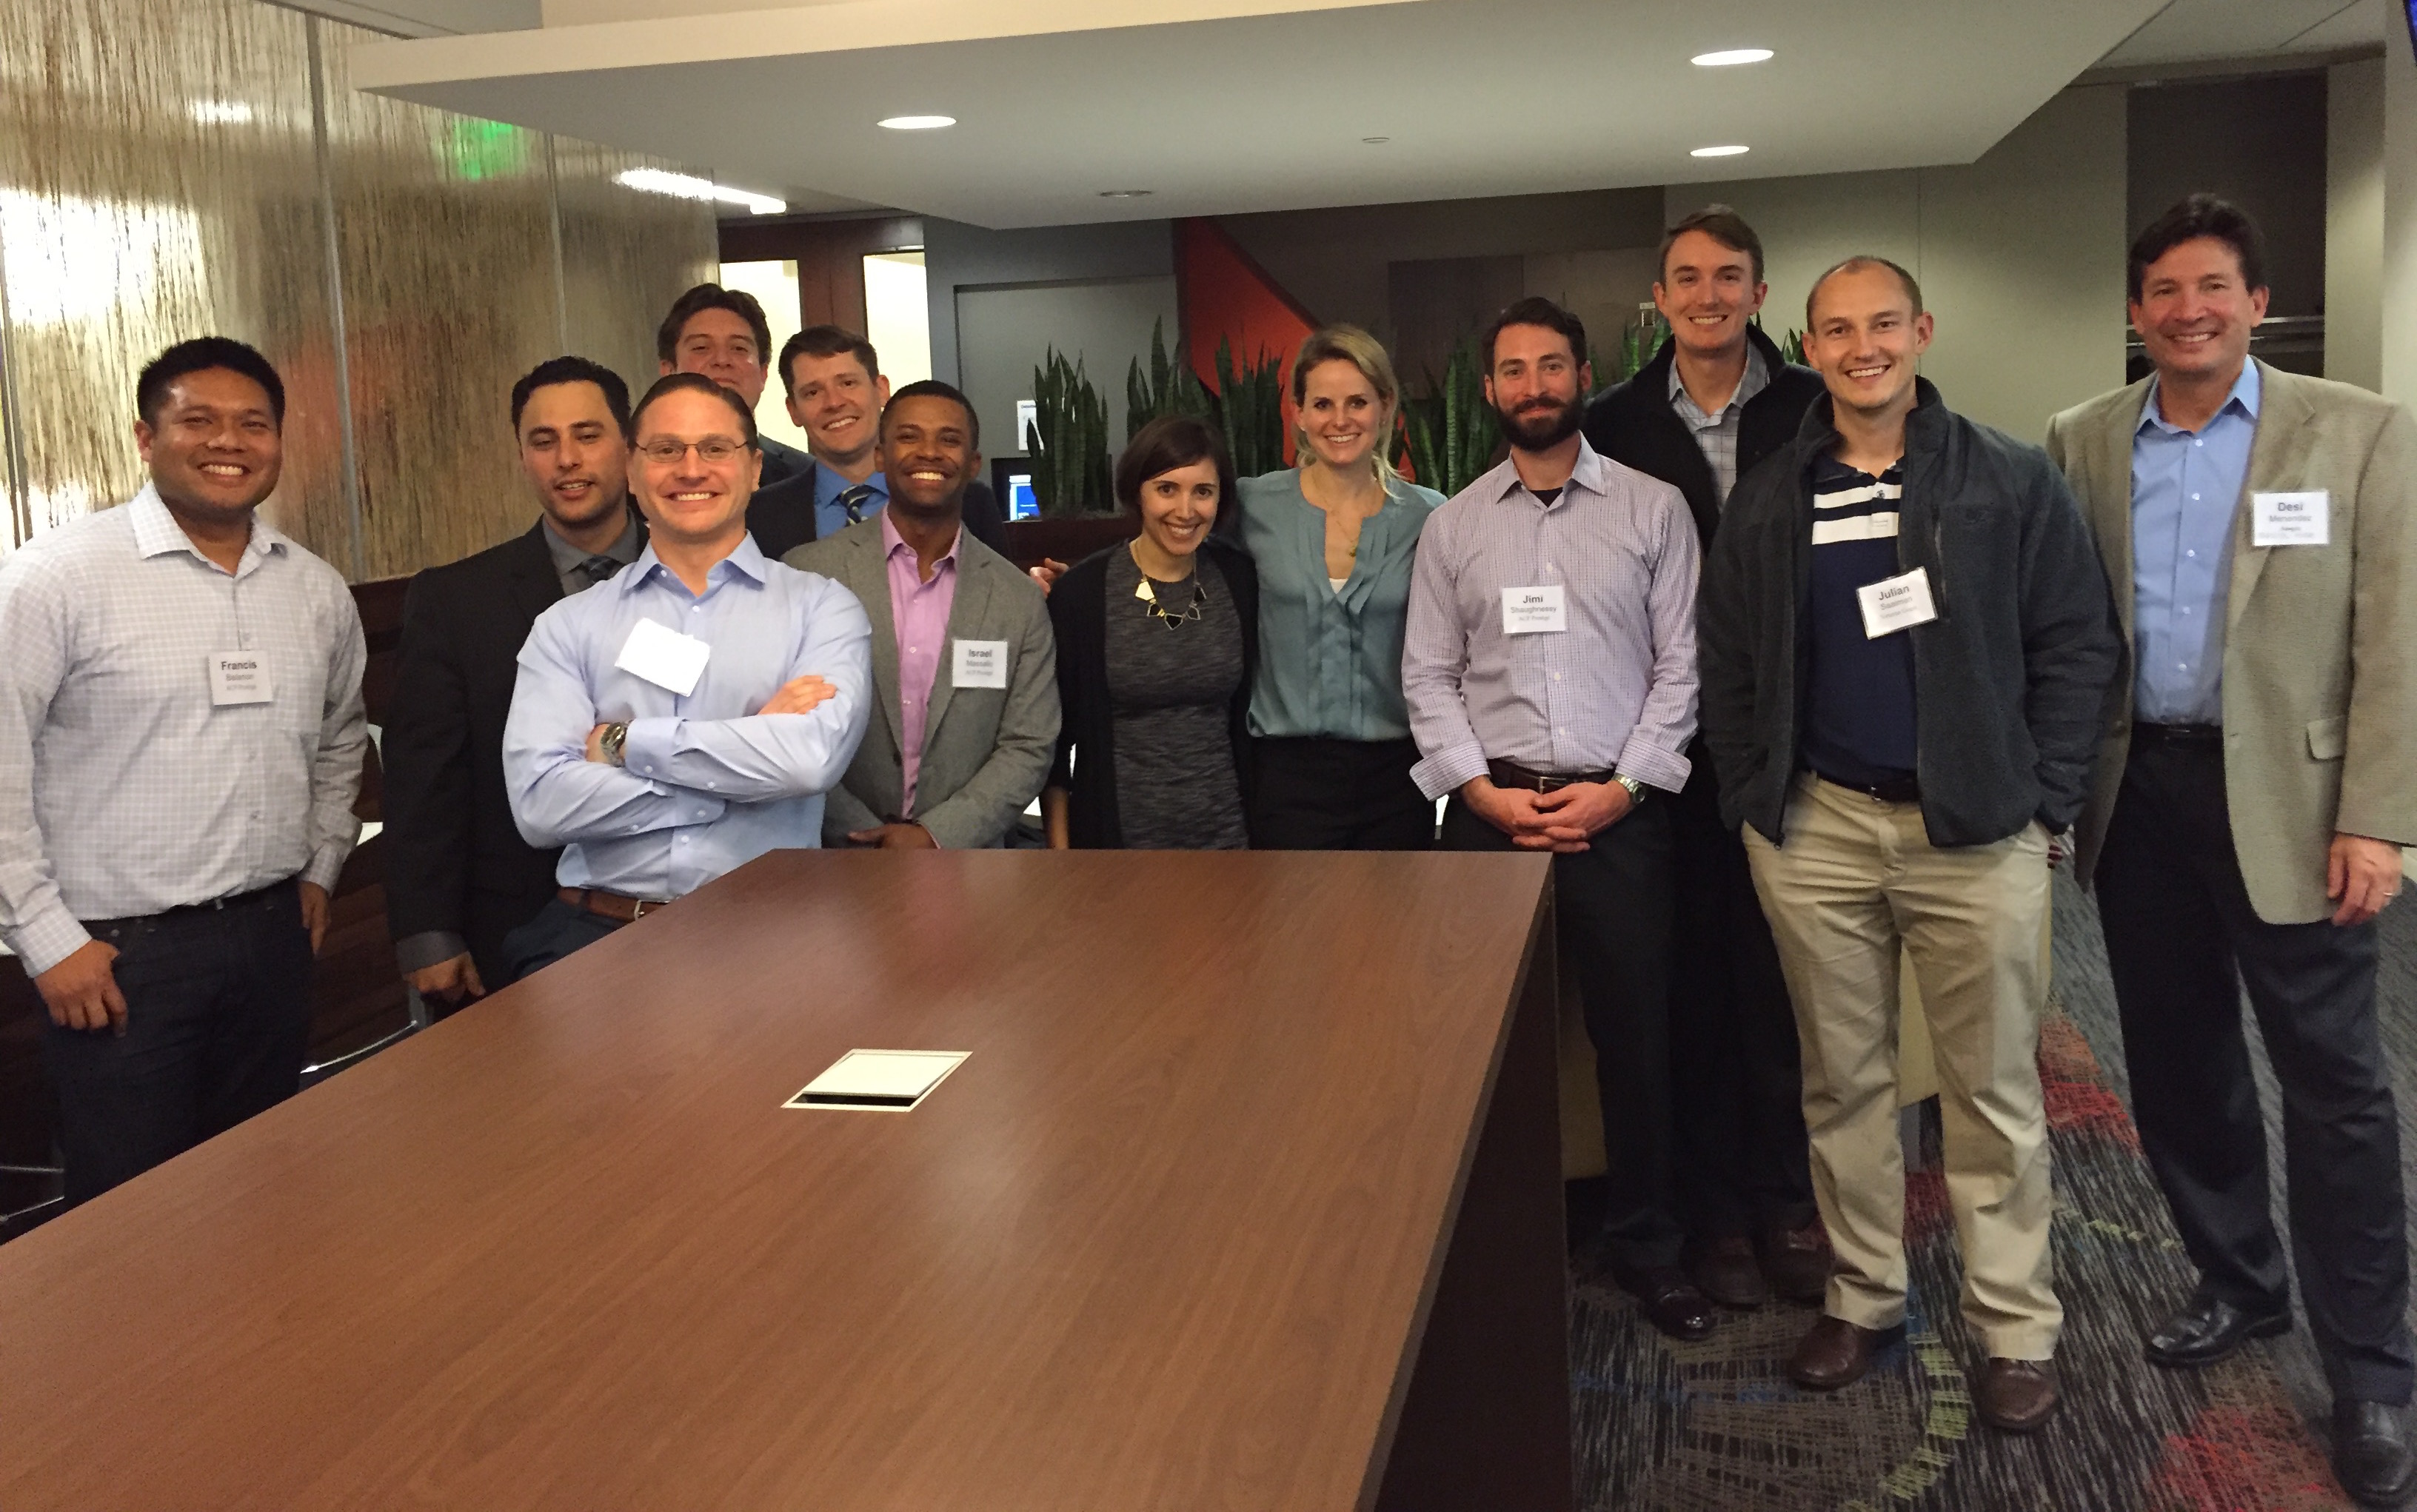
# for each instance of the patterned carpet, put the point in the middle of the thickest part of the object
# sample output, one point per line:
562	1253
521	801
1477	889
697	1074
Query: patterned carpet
1665	1427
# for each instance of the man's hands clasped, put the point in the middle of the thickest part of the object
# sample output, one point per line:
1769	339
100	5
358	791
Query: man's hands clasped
1562	821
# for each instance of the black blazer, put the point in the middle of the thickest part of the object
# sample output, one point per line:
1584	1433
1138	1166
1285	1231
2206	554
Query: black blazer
454	859
1078	610
780	516
781	461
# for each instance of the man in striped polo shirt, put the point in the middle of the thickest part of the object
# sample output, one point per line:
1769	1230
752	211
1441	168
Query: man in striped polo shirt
1901	743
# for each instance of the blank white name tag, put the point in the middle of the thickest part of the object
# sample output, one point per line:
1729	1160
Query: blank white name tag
663	656
239	678
2303	519
1893	604
1533	611
891	1080
977	664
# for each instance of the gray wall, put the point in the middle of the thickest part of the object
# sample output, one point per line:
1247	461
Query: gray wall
2354	223
958	256
2258	142
1004	332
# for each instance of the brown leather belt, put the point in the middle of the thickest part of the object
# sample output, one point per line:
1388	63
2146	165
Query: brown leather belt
1513	775
612	906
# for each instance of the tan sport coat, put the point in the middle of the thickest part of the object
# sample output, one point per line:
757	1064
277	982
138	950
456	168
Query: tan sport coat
2319	642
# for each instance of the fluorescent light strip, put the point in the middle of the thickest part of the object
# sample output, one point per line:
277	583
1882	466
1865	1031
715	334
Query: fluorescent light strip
690	187
917	123
1731	57
1719	152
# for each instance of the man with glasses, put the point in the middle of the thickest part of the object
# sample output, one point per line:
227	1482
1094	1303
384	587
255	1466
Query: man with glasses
722	333
689	715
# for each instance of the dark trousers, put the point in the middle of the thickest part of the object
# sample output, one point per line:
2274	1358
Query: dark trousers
1737	1078
557	932
1319	794
2182	941
218	1017
1612	903
488	922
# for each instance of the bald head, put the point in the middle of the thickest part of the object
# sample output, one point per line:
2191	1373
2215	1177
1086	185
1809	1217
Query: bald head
1864	263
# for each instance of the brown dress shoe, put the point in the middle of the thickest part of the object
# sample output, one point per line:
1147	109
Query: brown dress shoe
1834	1352
1728	1274
2016	1396
1668	1300
1796	1261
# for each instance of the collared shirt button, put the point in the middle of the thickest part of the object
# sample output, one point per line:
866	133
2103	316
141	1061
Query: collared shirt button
2194	555
2194	498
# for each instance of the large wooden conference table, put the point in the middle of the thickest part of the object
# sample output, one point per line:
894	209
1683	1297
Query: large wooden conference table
1248	1197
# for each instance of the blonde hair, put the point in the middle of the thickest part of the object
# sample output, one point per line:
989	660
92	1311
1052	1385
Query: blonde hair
1347	343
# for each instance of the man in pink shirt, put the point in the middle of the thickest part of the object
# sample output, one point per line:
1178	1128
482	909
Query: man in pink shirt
966	681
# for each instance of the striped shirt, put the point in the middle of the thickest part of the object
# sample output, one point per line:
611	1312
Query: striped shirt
1613	690
1716	433
124	789
1859	725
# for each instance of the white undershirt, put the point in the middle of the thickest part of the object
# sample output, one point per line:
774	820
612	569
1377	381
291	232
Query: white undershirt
1336	583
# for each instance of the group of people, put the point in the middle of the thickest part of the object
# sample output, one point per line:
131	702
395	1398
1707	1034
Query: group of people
1790	670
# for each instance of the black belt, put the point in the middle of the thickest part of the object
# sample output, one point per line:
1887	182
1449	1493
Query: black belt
1895	790
1513	775
2146	734
217	905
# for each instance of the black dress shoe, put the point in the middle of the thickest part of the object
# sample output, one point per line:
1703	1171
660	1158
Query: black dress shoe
2373	1455
1726	1270
2211	1329
1668	1299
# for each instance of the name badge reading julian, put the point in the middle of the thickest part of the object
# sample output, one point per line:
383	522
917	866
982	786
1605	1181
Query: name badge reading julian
239	678
978	664
1533	611
663	656
2303	519
1894	604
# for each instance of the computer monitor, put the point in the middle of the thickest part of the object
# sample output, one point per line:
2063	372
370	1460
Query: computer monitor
2408	10
1010	478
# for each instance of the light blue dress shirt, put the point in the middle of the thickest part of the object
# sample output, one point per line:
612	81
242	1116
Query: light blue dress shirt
2186	488
709	784
829	519
1330	662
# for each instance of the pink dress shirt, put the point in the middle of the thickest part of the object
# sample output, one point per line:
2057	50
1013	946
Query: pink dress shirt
919	612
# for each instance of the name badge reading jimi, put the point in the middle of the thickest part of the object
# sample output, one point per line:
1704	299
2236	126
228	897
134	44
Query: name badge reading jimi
977	664
1894	604
239	678
1533	611
663	656
2303	519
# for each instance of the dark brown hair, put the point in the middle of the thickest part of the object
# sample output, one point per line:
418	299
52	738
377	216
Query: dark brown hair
1537	310
711	297
827	341
1170	442
1722	224
2201	215
674	383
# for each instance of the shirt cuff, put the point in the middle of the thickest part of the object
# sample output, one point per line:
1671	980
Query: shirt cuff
328	864
1649	764
47	939
429	947
1441	775
648	749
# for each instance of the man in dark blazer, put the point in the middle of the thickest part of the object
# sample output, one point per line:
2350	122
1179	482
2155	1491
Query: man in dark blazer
459	876
836	393
1714	401
722	334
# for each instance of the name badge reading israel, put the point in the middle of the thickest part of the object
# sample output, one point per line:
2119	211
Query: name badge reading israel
2303	519
977	664
1894	604
239	678
1533	611
663	656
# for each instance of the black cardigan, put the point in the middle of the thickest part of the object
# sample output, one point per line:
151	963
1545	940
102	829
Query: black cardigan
1078	611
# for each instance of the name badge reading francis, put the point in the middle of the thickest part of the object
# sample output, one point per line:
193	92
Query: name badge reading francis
239	678
977	664
663	656
1893	604
2302	518
1533	611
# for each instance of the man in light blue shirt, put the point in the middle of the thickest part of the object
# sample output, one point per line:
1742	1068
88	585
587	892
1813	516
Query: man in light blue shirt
688	715
2185	489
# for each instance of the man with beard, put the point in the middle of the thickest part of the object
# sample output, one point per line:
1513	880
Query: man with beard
459	876
180	744
1550	672
964	666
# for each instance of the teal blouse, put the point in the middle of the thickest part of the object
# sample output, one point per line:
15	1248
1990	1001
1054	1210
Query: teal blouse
1330	664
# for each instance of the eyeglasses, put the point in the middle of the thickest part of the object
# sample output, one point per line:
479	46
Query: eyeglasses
713	450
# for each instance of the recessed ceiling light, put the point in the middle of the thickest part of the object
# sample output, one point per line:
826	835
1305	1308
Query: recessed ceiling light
1376	142
221	112
1731	57
690	187
918	123
1718	152
1125	194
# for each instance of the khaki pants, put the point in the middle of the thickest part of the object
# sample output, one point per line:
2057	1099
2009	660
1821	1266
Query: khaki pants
1855	877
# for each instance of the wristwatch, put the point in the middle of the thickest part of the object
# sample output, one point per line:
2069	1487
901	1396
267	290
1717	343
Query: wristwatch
1635	789
615	736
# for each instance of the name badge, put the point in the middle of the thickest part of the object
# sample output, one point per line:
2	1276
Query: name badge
2302	518
978	664
665	658
1893	604
1533	611
239	678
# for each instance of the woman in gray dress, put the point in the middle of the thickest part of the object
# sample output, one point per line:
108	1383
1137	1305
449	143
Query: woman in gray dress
1157	644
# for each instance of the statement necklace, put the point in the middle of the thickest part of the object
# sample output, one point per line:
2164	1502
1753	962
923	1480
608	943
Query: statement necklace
1171	618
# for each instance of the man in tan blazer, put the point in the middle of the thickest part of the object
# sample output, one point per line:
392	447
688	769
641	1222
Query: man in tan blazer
2258	778
964	668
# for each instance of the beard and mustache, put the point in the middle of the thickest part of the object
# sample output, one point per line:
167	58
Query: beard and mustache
1541	424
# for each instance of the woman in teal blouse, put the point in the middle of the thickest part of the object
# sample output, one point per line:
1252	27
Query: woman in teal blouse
1334	539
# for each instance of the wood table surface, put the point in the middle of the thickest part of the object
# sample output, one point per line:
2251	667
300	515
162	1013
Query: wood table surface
1167	1240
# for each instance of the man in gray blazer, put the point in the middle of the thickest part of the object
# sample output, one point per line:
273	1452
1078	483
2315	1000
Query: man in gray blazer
2257	779
965	673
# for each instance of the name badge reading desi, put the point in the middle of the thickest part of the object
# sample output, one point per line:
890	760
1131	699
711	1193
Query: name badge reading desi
239	678
1894	604
2303	519
663	656
977	664
1533	611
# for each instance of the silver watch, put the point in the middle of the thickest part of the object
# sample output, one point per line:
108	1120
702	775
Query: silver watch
615	736
1635	789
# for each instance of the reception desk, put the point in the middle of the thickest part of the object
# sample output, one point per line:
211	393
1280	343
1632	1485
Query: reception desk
1247	1195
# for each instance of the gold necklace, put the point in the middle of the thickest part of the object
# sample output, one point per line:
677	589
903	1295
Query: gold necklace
1147	593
